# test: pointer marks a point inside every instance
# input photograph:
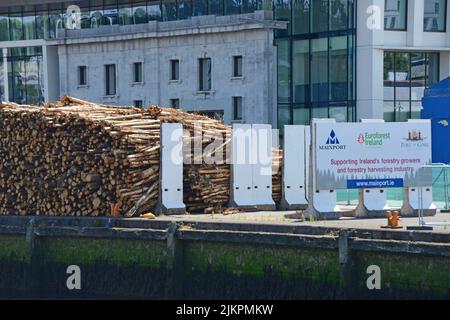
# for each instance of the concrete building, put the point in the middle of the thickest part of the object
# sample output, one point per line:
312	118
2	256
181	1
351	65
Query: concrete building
264	61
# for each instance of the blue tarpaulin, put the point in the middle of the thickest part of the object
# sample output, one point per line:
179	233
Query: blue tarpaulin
436	106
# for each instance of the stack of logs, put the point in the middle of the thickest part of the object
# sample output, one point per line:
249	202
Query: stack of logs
78	158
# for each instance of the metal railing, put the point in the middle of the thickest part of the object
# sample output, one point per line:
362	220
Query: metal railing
444	173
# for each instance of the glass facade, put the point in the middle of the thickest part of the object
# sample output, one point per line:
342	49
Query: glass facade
434	15
406	75
395	14
315	52
42	21
25	75
315	60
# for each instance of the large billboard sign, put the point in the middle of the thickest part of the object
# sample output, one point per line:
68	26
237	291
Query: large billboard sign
371	155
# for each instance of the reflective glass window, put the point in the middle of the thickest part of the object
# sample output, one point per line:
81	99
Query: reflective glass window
338	14
434	16
96	13
215	7
205	74
42	22
140	12
282	11
29	23
319	16
284	116
284	69
111	12
169	10
300	71
432	68
200	7
125	11
395	14
300	115
184	9
154	10
4	24
319	69
16	24
338	68
249	6
233	7
300	16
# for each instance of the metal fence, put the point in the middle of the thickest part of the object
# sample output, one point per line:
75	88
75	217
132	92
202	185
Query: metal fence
440	183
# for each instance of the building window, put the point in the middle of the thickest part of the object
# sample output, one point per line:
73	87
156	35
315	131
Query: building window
237	66
137	72
237	108
175	103
406	75
138	103
395	15
204	74
315	79
26	76
174	70
434	16
82	75
110	79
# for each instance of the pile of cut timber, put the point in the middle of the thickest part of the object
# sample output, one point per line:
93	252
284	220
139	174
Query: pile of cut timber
78	158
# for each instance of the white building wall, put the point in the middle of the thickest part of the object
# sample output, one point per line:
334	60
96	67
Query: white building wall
256	85
373	42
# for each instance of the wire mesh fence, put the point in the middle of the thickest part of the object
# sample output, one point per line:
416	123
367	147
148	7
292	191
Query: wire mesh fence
440	183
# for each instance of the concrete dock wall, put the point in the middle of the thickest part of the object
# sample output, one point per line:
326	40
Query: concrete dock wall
138	258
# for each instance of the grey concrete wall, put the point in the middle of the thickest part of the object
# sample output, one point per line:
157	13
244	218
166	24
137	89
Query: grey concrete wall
219	41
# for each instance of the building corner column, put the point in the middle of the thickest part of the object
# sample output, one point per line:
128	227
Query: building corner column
415	23
369	59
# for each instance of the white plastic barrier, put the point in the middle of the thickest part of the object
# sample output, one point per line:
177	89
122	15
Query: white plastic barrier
294	190
171	170
413	202
241	166
372	202
262	166
251	169
322	203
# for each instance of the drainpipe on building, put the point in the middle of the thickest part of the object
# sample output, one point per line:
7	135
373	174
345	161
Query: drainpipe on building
5	73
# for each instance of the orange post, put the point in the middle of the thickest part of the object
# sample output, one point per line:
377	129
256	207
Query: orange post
392	220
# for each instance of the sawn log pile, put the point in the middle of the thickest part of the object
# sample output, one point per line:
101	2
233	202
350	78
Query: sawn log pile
77	158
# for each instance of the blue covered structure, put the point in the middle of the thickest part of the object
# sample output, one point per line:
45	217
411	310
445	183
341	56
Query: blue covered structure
436	106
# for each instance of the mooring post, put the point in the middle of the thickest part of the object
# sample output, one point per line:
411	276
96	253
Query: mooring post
31	240
346	264
175	249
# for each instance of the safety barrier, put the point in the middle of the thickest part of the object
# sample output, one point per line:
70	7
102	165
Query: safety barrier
418	200
294	169
322	204
251	167
372	202
251	175
171	170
